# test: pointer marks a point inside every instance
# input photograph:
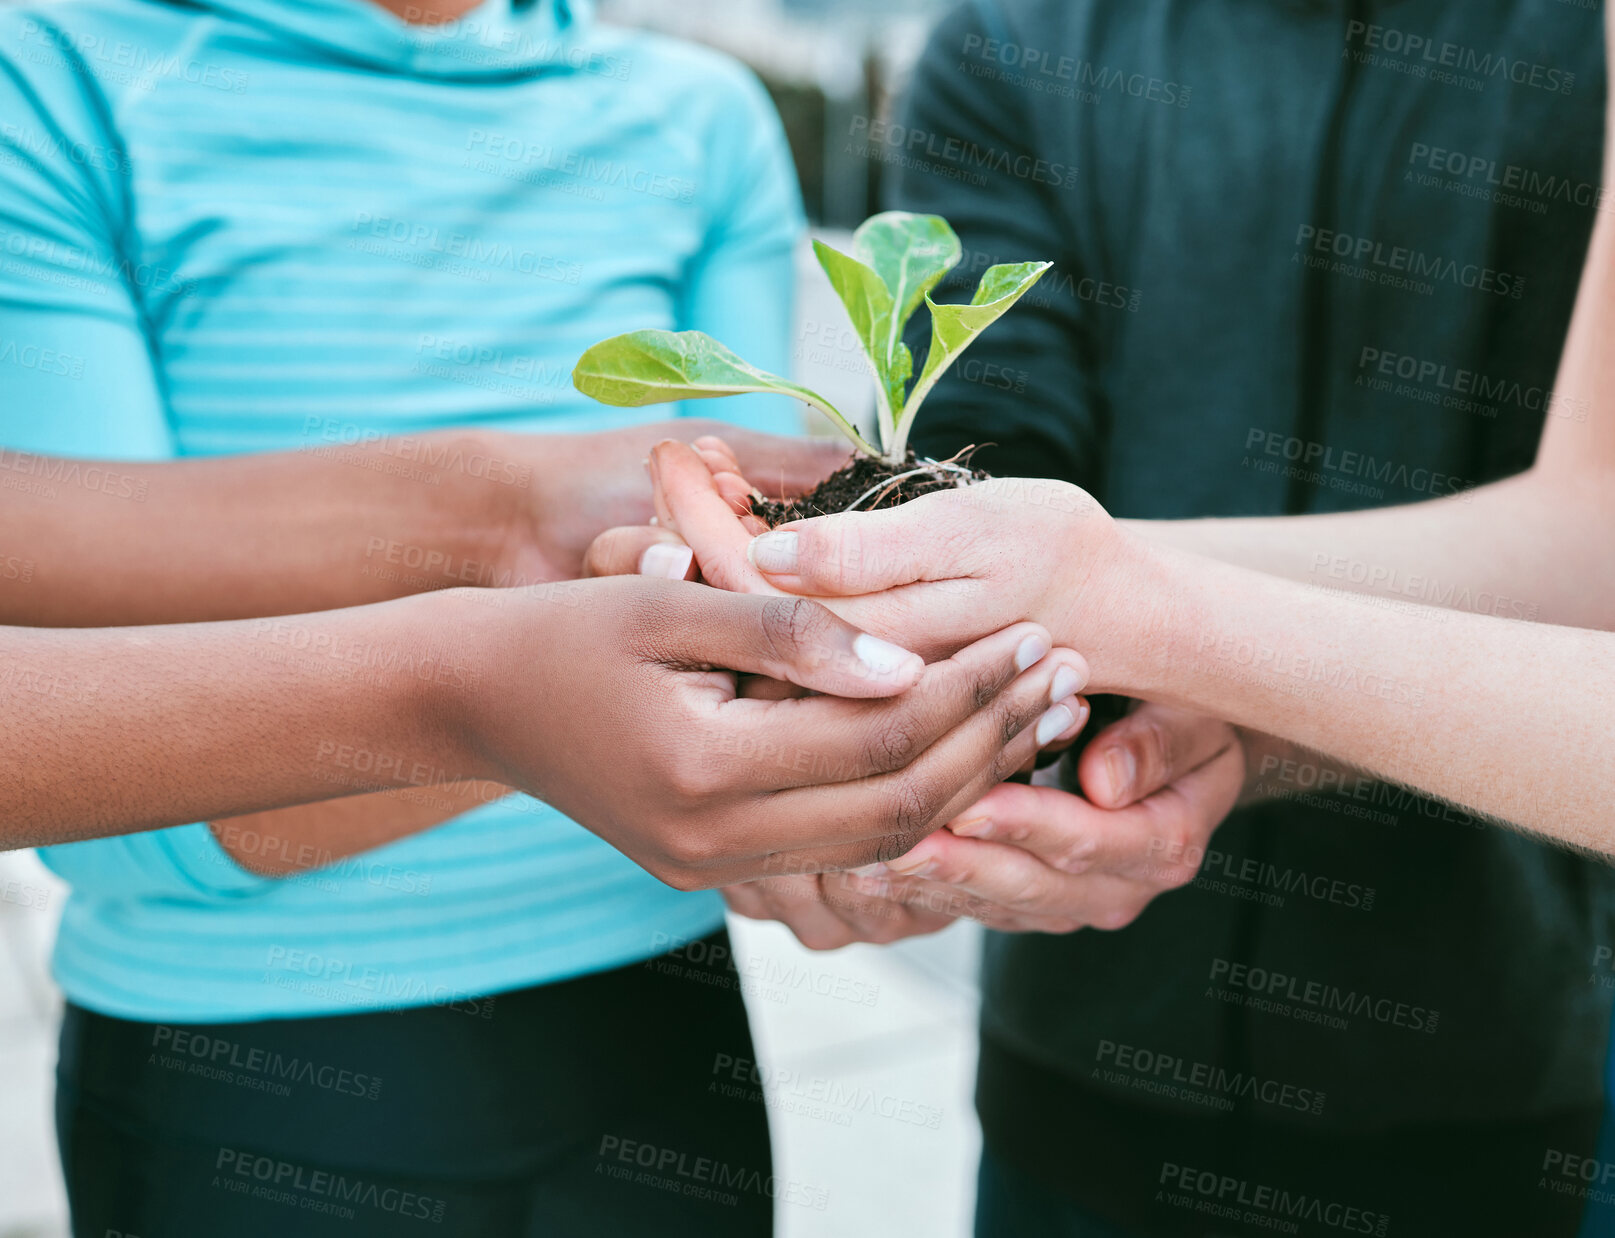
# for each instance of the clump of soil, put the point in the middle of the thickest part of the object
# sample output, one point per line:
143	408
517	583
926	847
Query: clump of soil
872	481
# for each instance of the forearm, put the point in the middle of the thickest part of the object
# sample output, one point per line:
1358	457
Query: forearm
1428	698
1535	546
1524	548
226	538
1481	552
285	841
112	731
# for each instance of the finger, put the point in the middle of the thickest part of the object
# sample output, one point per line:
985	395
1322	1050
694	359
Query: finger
1160	841
925	900
1150	748
735	492
922	892
717	453
731	485
1046	754
755	687
872	914
793	639
1061	830
862	552
851	823
688	494
798	903
643	550
1179	820
813	741
781	467
745	899
1008	879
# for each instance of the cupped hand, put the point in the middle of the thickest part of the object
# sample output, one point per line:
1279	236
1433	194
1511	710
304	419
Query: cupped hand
1039	859
621	718
571	488
829	910
938	571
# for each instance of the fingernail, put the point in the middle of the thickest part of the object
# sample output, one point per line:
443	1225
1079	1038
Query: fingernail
1122	767
911	865
872	870
1031	651
1053	722
773	552
976	827
667	559
883	659
1066	683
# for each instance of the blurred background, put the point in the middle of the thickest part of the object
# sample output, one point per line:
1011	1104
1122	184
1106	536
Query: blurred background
870	1097
832	66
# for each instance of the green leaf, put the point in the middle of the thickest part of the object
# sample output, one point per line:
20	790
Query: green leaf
910	253
655	367
869	306
955	327
897	258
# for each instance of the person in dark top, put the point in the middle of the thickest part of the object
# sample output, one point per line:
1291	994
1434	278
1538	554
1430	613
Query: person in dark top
1289	236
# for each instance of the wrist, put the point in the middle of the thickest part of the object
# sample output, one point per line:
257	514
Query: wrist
1165	618
1115	587
487	511
453	659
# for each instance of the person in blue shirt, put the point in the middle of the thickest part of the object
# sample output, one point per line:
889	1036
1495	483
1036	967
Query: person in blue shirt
251	225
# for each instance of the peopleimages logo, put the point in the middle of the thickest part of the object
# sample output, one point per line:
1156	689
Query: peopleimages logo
1327	997
946	149
119	60
1508	183
1309	453
1420	55
702	1177
1584	1176
1453	386
1285	880
1031	65
1398	266
1183	1079
1226	1196
216	1054
318	1190
87	474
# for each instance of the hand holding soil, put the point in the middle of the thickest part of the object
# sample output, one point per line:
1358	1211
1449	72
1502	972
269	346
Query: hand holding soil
1030	859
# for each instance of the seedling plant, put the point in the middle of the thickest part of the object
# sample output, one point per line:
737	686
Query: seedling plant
897	258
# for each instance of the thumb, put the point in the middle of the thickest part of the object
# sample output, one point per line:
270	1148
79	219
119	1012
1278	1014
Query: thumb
787	638
859	552
689	498
1151	748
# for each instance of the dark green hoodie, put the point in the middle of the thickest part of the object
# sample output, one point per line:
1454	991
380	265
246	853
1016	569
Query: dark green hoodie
1308	257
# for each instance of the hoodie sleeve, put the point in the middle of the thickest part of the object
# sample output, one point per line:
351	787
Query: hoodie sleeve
76	371
741	285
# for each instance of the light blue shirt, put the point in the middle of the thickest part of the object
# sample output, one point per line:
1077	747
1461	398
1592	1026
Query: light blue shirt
253	225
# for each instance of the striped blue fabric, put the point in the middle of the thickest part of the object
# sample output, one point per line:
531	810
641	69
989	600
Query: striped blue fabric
244	225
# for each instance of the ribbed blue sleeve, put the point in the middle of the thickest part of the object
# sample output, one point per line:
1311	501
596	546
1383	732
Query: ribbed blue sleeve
741	285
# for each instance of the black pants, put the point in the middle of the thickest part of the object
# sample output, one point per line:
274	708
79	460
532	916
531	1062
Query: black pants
593	1106
1063	1160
